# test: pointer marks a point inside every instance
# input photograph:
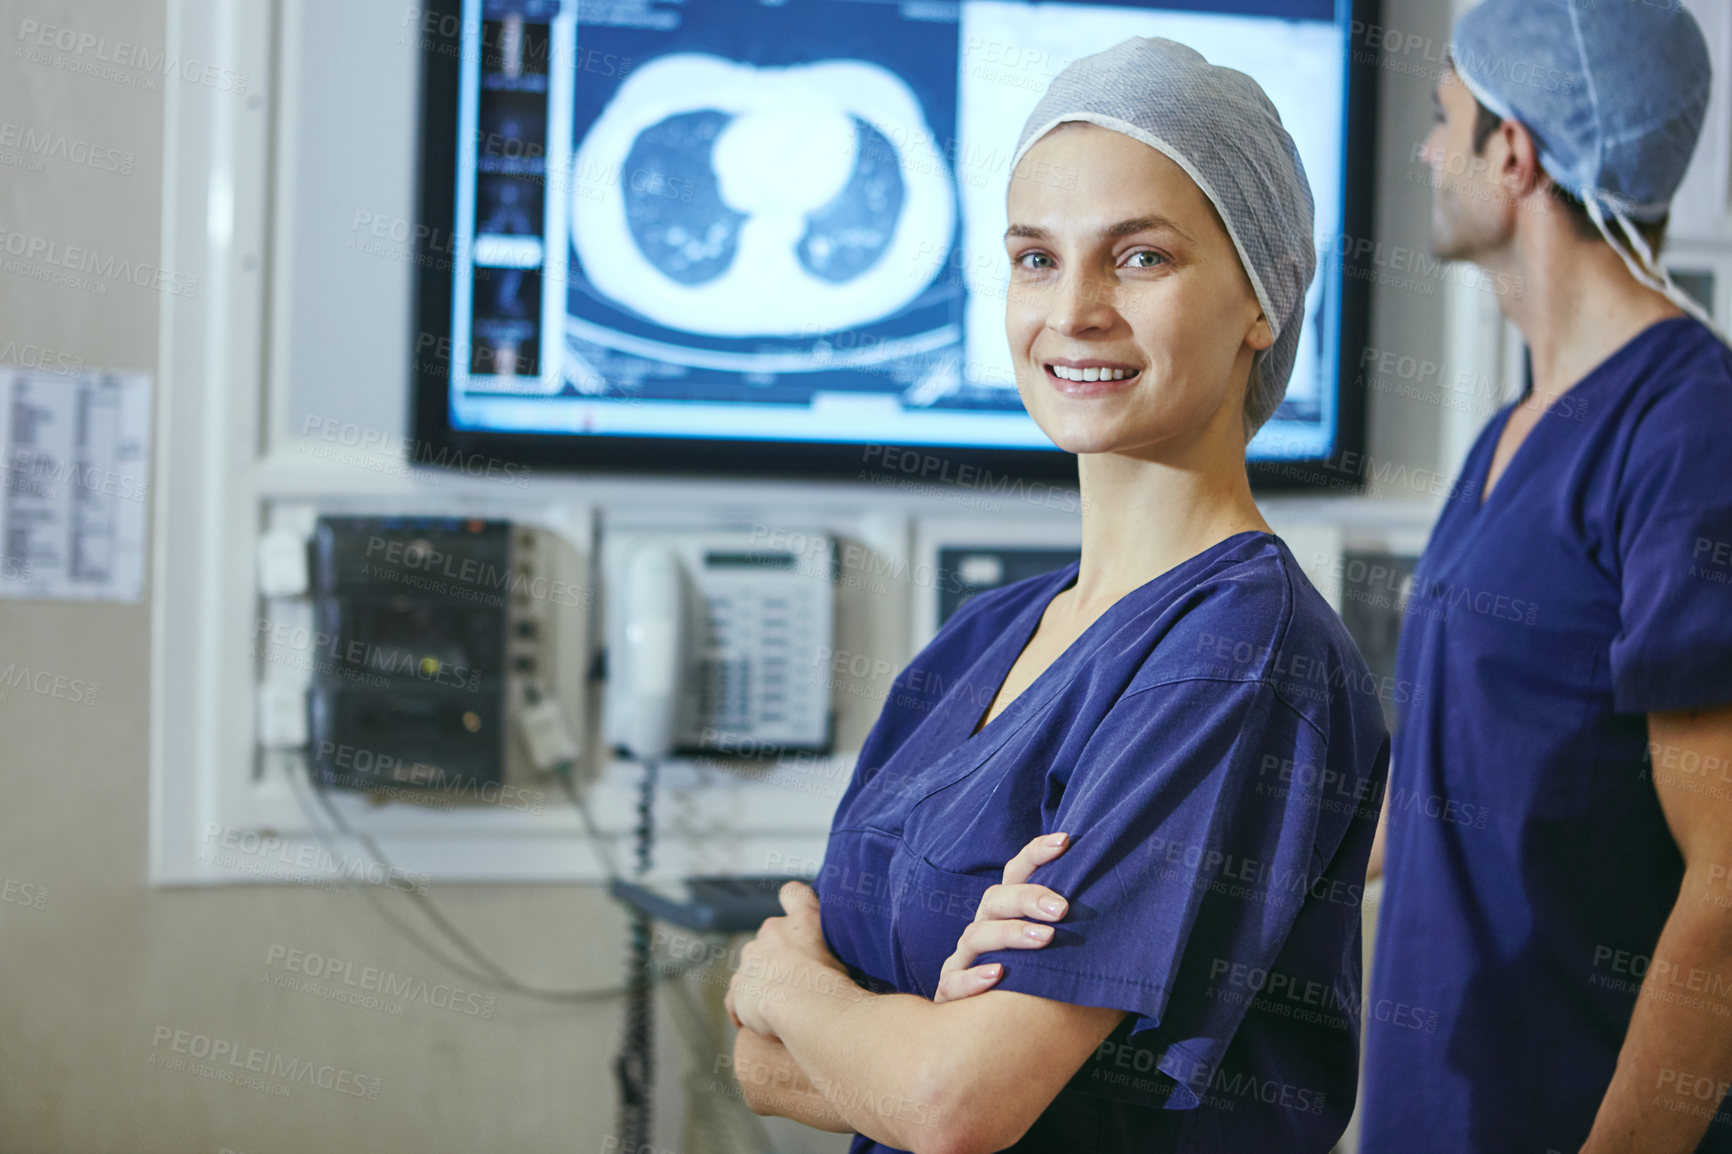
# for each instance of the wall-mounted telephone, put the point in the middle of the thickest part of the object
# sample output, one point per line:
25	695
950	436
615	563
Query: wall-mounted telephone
740	624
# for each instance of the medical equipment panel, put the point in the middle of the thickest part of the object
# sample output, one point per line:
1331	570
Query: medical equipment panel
420	656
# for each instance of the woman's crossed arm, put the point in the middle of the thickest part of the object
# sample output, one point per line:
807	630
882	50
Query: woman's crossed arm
950	1077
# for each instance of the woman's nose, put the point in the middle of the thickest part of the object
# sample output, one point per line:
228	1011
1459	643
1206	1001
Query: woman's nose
1080	302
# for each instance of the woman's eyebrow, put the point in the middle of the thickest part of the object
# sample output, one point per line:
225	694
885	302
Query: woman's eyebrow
1122	228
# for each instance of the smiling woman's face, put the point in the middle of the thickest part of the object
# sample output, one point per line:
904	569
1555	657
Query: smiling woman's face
1126	268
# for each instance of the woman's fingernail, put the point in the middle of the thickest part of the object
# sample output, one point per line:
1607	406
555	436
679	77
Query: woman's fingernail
1057	839
1052	905
987	973
1040	933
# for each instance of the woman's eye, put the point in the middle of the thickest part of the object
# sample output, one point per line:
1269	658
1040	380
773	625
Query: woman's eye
1155	261
1036	255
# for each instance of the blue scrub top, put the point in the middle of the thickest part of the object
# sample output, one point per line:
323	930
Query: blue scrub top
1214	746
1529	868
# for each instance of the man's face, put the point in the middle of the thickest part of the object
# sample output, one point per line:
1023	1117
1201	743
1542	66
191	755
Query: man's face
1471	210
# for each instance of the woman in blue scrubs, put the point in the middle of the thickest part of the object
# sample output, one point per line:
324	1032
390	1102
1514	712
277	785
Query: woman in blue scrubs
1181	703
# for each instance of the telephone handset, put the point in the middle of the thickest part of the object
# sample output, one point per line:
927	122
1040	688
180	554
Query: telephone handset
655	657
716	641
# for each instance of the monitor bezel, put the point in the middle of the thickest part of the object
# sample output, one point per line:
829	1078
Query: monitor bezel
439	441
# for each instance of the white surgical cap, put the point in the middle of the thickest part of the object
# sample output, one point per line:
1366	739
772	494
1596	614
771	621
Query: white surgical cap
1613	95
1218	125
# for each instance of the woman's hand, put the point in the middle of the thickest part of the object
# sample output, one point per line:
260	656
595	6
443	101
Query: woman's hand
787	952
995	925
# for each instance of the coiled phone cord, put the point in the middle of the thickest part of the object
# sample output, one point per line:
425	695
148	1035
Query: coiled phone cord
635	1066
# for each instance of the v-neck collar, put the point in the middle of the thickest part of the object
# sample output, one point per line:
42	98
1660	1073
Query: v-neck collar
1582	388
1001	656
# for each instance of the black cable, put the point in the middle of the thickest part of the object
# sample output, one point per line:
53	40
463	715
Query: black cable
499	980
635	1066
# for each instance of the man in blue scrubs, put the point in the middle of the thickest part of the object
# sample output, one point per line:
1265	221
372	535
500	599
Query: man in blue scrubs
1553	967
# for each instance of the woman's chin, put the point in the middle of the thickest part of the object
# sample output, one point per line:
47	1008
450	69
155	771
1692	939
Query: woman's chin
1152	435
1086	437
1084	444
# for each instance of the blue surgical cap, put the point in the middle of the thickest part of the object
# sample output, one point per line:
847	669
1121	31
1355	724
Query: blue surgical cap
1613	94
1218	125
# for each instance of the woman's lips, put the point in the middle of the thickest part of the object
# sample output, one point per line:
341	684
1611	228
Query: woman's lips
1089	388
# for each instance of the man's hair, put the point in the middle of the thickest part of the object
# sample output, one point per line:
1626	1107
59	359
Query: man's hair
1486	122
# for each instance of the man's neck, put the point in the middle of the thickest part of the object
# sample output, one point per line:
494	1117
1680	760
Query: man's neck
1575	303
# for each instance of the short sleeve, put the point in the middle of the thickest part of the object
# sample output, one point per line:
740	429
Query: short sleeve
1673	649
1183	859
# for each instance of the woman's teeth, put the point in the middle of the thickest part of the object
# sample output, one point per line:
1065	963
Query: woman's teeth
1071	374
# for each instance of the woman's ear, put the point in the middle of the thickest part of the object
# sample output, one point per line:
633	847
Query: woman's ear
1261	335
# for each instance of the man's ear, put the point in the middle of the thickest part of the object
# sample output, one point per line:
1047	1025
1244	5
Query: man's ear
1521	172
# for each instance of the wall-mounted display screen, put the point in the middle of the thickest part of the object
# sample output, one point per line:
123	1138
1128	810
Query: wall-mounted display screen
747	236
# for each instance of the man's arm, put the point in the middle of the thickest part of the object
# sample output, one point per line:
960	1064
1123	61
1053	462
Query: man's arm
1380	839
1680	1038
